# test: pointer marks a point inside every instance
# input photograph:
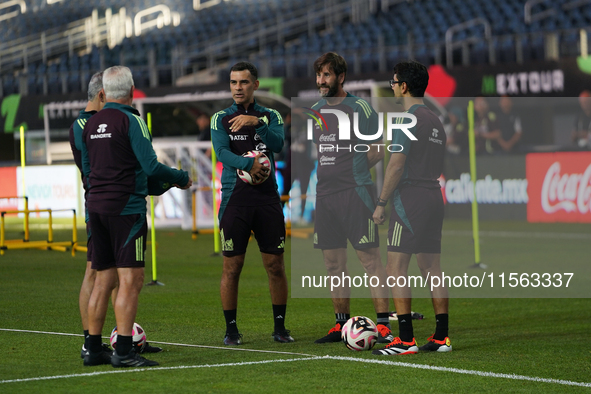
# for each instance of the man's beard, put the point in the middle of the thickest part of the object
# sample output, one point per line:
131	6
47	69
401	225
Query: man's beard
332	90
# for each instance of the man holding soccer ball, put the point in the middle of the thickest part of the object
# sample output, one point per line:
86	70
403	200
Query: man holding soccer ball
249	202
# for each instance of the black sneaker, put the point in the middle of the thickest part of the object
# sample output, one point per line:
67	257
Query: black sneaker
334	335
233	339
101	358
433	345
131	359
85	352
147	348
282	336
397	347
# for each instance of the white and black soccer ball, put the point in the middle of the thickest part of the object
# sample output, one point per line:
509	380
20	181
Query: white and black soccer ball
359	333
138	337
245	176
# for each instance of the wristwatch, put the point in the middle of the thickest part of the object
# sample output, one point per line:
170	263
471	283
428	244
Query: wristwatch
381	203
261	122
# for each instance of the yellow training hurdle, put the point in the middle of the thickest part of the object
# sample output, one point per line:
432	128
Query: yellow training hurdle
26	243
26	221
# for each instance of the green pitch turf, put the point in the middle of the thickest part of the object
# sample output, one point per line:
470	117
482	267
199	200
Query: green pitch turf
502	344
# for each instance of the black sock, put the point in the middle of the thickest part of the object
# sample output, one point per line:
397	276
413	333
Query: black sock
384	318
342	318
124	344
86	334
94	343
405	327
441	327
279	317
231	327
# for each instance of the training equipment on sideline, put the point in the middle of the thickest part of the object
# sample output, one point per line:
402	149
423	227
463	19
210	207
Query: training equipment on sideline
359	333
139	337
263	159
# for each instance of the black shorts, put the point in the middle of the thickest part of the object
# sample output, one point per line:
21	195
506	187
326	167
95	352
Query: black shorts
347	214
89	247
118	241
416	220
265	221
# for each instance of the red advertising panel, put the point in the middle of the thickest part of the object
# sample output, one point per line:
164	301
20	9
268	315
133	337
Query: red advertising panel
8	189
559	187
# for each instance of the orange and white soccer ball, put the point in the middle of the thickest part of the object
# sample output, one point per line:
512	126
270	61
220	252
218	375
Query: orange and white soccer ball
359	333
263	159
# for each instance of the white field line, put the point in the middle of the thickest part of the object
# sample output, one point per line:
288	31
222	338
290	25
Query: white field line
78	375
41	332
234	348
335	358
305	358
519	234
170	343
464	371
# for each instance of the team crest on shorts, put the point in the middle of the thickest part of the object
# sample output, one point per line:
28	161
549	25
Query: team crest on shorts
227	246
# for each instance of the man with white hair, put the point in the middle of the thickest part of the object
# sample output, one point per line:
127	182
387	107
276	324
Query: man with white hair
96	102
117	159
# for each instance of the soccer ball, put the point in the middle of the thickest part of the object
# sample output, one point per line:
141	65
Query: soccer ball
264	160
359	333
138	337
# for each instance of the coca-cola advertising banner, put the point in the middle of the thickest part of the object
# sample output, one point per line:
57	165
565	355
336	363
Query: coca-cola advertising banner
559	187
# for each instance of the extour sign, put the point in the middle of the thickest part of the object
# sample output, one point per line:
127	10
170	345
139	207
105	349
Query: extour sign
530	82
559	187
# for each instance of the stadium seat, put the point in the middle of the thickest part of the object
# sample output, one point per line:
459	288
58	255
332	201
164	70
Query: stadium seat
141	78
9	84
54	84
74	82
569	44
212	24
31	84
278	67
479	53
505	50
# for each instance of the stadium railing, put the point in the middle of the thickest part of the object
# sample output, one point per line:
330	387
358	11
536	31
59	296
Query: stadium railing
95	42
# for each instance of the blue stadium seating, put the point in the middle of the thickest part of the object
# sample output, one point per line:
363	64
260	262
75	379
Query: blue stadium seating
425	24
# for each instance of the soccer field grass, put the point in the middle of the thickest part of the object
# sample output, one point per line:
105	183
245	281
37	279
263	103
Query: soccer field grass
504	344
